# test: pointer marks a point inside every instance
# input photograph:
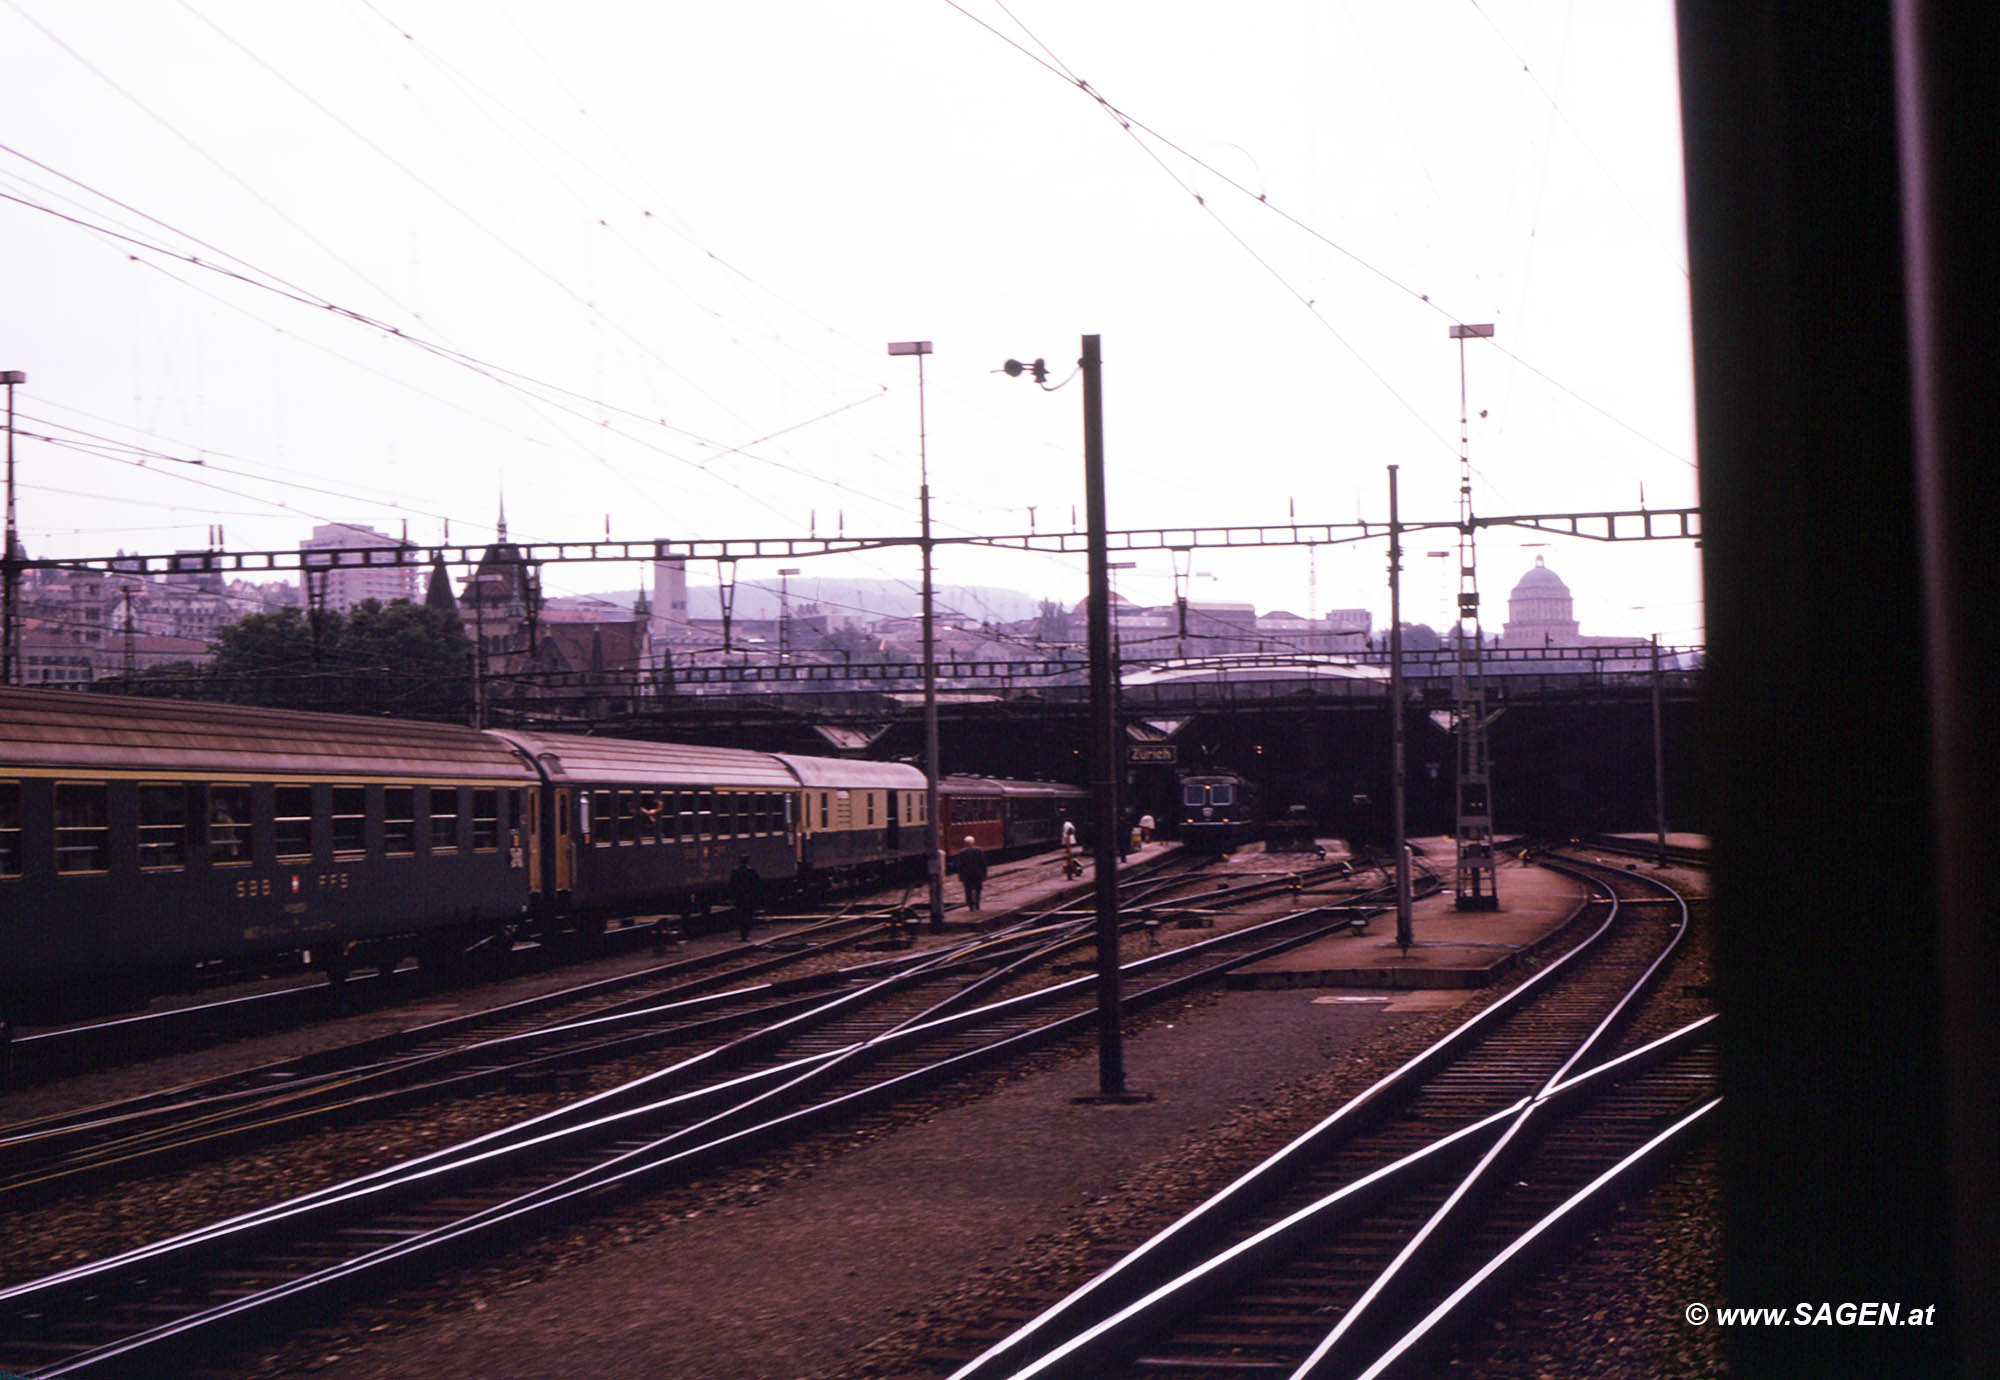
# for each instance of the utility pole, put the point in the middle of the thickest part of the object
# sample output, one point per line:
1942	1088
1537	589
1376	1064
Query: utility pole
1659	761
1398	800
1104	722
933	825
10	558
785	613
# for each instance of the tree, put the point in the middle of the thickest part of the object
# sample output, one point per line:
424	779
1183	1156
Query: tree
1419	637
272	659
402	659
411	660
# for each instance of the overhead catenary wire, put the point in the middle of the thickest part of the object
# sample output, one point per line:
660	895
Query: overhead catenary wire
1134	126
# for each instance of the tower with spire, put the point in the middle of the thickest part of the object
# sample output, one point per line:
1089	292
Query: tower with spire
501	602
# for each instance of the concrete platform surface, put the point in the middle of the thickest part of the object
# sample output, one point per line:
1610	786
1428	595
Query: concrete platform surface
1452	948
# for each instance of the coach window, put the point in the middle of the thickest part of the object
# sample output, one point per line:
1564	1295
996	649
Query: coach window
603	824
163	825
704	814
399	821
646	806
83	828
683	815
485	821
229	824
350	821
10	829
822	809
292	822
444	819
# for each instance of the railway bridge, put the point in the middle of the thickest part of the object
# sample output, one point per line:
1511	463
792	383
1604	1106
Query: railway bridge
1571	729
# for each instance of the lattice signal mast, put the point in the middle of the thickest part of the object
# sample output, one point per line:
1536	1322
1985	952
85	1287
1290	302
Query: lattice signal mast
1477	888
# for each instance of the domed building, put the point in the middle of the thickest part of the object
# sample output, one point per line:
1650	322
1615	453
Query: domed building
1540	612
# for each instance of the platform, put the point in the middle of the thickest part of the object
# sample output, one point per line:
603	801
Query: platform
1453	948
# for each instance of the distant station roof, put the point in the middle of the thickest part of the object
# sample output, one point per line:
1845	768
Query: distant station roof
1251	666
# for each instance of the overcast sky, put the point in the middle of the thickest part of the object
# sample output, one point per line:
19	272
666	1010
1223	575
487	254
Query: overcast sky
638	264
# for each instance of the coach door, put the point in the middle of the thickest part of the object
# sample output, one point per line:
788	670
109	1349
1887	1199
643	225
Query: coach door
895	799
530	836
565	849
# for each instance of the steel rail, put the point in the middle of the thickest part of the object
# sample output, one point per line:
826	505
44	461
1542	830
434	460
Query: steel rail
43	1055
883	975
1094	1351
1422	1341
1396	1282
1165	1254
680	1148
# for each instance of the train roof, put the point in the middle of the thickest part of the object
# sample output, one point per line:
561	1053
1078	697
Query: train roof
1043	788
995	785
57	731
852	774
581	759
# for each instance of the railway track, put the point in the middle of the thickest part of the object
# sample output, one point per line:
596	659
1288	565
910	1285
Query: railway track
559	1035
40	1056
851	1053
1360	1247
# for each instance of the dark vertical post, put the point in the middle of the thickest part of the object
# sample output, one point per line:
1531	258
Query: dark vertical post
10	556
1835	1108
1399	802
1104	727
1659	761
1946	124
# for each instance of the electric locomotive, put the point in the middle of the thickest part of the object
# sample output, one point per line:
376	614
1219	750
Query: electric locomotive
1218	811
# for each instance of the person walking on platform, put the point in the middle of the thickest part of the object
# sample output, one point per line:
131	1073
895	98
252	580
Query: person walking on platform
1145	829
972	872
744	884
1072	869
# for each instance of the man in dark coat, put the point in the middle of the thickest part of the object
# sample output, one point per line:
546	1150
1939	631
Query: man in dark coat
972	872
744	884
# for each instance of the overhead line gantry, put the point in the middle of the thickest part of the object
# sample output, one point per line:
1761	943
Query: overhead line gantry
1620	525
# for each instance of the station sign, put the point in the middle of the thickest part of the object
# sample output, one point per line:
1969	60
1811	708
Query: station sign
1163	754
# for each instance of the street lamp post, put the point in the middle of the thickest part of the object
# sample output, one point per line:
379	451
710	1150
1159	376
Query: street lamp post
1105	753
10	558
932	825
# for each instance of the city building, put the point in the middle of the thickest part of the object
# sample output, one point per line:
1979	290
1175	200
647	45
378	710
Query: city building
346	582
